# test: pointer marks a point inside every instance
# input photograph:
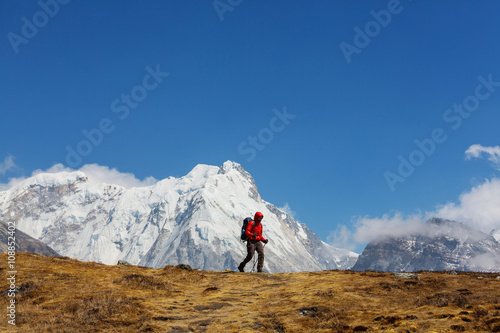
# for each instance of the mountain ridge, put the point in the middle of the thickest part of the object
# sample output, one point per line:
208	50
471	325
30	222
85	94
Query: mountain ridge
195	219
440	245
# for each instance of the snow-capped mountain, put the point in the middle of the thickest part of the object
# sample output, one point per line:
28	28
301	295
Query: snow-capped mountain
441	245
195	220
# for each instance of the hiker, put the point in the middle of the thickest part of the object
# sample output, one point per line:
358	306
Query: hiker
254	242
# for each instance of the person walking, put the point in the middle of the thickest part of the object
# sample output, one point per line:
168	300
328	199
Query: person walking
254	242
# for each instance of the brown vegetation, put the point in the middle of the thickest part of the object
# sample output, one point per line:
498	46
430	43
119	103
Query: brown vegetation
66	295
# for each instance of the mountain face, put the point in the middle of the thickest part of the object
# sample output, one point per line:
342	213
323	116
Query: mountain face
24	243
442	245
195	220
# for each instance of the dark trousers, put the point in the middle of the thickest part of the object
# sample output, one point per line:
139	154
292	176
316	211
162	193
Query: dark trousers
253	245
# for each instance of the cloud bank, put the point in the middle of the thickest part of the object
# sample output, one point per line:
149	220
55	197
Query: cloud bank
478	208
95	173
394	224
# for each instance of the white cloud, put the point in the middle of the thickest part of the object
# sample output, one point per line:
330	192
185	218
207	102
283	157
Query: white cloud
394	224
53	169
479	208
477	151
484	262
95	173
286	208
103	174
7	164
366	229
341	238
12	182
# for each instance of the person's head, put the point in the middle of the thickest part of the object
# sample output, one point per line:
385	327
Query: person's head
258	217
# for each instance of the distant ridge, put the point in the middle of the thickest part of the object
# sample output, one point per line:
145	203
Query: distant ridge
24	243
442	245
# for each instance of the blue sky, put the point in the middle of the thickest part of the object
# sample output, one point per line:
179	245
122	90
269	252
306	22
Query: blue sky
161	86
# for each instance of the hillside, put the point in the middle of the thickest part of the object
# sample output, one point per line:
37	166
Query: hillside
23	242
66	295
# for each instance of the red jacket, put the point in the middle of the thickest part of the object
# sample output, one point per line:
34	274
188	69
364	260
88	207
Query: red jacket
257	229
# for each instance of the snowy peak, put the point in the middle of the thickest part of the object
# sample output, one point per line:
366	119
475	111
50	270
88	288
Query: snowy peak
201	173
195	219
51	180
228	166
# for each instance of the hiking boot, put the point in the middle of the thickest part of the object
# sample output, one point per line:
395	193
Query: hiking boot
240	268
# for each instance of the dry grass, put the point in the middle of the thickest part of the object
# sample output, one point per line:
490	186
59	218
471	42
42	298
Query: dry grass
66	295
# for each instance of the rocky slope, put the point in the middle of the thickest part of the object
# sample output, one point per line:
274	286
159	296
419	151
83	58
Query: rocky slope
23	242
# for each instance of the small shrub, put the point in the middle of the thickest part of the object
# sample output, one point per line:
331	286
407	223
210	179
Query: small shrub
184	266
442	300
144	282
457	328
480	313
101	307
28	290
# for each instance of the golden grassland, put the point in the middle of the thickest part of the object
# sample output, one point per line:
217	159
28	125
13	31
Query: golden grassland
66	295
